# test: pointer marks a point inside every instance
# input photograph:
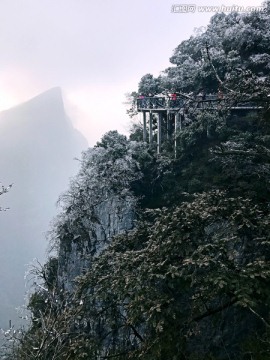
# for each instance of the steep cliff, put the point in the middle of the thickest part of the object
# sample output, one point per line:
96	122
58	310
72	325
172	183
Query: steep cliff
98	206
113	216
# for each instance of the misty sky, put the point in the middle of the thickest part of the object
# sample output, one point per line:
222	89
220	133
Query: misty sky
95	50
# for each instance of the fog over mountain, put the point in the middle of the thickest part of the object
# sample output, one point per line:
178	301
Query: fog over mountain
38	145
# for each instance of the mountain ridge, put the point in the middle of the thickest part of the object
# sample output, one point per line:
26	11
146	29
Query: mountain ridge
38	145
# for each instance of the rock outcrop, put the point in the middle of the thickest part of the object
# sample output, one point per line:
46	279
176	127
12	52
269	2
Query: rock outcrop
111	217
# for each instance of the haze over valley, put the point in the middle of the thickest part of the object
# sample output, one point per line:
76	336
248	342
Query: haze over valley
38	147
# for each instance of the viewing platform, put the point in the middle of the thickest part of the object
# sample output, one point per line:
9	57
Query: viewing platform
158	103
174	112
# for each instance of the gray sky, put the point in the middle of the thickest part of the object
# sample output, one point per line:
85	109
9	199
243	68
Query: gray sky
95	50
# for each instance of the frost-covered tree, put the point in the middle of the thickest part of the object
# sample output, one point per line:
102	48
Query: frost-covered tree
149	86
4	190
107	170
232	51
198	271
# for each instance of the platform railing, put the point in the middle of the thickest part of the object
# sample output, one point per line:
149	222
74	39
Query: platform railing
209	101
159	103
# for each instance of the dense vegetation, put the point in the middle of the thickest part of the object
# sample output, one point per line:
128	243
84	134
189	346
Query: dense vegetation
191	279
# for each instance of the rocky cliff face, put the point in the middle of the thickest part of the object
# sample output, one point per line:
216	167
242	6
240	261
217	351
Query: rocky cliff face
99	205
38	145
111	217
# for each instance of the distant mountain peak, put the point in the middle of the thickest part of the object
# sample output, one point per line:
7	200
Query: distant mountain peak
52	96
43	116
37	146
55	92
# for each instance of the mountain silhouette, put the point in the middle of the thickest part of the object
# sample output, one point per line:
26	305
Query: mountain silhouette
38	145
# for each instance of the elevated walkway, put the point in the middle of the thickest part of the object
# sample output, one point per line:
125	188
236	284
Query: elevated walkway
174	109
156	103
